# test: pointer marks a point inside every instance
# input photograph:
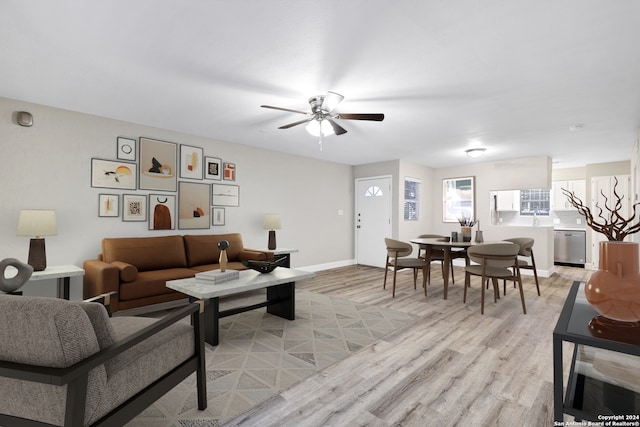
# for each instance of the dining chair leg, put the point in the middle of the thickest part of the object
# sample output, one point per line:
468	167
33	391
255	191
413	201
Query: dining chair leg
453	279
535	272
467	280
519	279
415	278
386	269
393	292
424	279
482	296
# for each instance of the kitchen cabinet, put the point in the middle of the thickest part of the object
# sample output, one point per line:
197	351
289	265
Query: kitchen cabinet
560	201
508	200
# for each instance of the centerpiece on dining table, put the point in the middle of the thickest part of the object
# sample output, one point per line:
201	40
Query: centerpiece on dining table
466	223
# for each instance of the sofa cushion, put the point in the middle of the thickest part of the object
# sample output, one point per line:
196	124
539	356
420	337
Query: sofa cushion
128	272
151	283
203	249
146	253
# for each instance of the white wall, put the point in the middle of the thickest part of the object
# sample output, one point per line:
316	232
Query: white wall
48	166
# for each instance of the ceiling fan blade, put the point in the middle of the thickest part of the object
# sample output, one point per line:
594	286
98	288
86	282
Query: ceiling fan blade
290	125
284	109
339	130
331	101
355	116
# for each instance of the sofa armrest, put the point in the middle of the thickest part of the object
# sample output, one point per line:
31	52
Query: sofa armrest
101	278
255	254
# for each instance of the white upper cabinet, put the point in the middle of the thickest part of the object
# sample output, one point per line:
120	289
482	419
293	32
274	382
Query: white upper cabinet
560	200
508	200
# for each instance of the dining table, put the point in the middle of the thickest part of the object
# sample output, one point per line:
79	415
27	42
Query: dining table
444	243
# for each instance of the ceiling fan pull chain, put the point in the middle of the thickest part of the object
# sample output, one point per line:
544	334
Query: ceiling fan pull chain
320	140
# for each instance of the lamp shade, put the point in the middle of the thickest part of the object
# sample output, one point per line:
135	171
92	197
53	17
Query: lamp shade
271	222
37	223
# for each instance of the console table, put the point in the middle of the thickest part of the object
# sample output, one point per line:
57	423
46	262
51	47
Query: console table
593	394
62	273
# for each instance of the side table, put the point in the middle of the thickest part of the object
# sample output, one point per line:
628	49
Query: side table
62	273
593	393
282	251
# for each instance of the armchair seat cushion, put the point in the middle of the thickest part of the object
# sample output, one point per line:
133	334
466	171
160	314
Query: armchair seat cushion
151	283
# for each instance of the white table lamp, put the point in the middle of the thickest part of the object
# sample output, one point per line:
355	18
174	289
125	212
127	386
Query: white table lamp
37	223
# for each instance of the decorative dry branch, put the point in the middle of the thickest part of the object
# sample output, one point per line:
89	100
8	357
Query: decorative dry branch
612	224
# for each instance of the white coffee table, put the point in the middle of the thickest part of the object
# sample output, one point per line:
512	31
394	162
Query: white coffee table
280	286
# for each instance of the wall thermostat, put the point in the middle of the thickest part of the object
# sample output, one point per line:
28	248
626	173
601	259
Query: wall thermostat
25	118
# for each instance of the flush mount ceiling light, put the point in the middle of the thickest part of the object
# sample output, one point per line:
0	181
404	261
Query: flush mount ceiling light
475	152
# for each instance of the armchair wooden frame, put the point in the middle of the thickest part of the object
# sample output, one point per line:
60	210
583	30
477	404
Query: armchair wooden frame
76	377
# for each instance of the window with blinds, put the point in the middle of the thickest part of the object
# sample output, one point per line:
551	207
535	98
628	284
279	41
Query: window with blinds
535	202
411	199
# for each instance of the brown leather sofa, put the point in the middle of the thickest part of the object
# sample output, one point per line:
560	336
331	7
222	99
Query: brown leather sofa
137	268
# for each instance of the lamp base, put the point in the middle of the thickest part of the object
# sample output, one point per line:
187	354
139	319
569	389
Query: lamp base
272	240
37	254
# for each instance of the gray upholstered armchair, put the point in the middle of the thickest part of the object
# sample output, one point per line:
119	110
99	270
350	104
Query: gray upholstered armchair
68	363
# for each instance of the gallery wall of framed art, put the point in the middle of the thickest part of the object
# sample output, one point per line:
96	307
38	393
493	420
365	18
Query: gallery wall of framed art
165	184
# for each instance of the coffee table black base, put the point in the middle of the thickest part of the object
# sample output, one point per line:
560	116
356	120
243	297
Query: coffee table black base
280	302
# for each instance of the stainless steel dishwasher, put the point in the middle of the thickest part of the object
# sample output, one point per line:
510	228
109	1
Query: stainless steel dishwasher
569	247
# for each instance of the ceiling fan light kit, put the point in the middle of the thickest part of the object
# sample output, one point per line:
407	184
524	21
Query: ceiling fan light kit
316	127
321	121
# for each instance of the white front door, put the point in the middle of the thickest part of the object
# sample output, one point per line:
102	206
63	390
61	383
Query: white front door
373	219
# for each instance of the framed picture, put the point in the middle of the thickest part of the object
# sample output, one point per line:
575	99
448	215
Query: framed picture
194	205
126	149
218	216
458	199
229	171
225	195
113	174
108	205
158	165
162	212
190	162
134	207
213	168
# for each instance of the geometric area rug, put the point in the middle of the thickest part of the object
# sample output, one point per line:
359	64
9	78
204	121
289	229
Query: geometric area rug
261	355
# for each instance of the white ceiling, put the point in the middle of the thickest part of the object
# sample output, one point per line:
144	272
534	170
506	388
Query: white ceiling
511	76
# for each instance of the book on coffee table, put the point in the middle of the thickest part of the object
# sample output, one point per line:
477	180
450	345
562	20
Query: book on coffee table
217	276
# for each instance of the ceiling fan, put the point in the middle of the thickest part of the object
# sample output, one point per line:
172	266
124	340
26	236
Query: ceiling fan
321	120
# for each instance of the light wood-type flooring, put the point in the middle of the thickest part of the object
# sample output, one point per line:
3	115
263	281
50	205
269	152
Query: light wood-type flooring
451	366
